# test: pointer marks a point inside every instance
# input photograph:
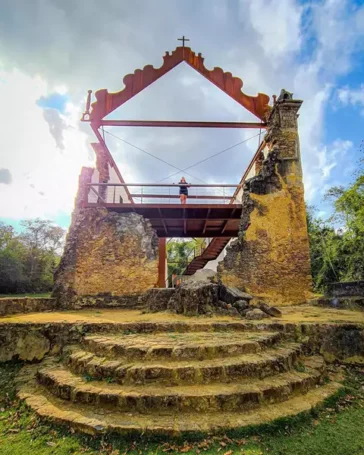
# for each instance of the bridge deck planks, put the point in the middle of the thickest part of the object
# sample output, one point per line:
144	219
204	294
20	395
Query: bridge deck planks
189	220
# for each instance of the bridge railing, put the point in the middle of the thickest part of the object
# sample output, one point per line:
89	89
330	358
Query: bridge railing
159	193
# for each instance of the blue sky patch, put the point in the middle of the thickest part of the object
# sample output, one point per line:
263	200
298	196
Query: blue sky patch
54	101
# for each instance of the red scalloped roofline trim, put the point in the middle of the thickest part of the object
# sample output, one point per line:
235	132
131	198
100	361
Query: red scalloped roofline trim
134	83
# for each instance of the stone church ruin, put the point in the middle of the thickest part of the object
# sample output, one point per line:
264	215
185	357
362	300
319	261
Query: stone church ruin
115	248
222	351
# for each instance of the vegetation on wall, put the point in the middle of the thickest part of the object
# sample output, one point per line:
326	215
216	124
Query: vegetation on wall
29	258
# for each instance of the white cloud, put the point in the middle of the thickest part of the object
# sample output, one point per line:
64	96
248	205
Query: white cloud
277	23
266	43
44	181
338	27
351	96
327	158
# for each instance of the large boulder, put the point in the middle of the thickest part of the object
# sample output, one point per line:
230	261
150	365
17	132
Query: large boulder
206	275
270	310
195	297
157	299
232	295
256	314
241	305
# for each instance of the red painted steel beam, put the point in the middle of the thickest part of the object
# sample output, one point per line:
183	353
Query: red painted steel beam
176	232
207	217
198	218
181	124
162	263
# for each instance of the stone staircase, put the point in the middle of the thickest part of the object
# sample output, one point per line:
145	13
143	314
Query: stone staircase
175	382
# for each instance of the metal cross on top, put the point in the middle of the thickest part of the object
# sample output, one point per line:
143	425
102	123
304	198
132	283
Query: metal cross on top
183	39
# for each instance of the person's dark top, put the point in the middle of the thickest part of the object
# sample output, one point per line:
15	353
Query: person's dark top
183	189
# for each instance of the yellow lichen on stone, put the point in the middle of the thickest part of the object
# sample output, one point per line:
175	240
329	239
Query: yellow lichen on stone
271	259
107	253
275	263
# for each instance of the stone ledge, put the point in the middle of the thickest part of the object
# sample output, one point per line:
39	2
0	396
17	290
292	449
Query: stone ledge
340	340
16	305
105	300
340	303
346	289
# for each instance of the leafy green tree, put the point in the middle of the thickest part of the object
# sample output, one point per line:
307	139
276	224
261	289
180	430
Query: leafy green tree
11	260
337	245
324	245
28	260
181	252
43	243
349	210
178	255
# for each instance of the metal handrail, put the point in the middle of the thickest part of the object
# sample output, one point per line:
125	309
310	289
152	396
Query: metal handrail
111	192
190	185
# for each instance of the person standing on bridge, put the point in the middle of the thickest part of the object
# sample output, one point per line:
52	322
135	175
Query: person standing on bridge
183	190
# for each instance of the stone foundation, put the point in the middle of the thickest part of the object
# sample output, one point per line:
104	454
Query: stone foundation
345	289
35	337
15	305
110	259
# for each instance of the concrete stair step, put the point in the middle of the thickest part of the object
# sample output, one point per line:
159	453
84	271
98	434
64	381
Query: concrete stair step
214	397
92	420
174	372
180	346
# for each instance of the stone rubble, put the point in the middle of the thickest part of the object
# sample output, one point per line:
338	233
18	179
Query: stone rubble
204	294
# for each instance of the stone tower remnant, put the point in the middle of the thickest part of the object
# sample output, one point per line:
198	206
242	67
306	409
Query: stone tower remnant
271	257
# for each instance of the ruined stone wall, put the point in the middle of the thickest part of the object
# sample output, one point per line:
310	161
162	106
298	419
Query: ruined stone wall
16	305
109	258
271	256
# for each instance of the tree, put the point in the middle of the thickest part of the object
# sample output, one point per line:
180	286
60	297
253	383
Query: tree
11	257
181	252
337	245
43	243
349	210
324	243
28	260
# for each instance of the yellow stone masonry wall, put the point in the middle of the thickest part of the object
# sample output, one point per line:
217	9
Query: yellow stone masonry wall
271	259
106	253
274	261
110	262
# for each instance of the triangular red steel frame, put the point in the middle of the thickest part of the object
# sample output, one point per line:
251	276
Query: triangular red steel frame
134	83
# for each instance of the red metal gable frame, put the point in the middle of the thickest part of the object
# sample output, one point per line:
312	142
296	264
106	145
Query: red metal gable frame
134	83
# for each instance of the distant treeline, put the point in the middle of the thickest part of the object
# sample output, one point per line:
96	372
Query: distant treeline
28	259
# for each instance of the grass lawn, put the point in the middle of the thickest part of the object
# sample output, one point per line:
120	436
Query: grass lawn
337	429
10	296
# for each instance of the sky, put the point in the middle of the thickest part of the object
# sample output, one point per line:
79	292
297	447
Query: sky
53	51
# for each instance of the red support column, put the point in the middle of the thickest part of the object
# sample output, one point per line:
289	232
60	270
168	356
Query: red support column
162	263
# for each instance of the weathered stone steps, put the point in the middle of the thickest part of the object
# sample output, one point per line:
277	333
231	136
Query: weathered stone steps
91	420
179	346
153	399
259	365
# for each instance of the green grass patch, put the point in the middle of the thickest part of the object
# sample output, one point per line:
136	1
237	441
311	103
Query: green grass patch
334	429
300	367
